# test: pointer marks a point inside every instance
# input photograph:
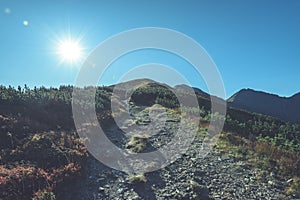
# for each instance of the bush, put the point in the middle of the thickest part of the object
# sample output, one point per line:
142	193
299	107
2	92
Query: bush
19	182
51	160
137	143
44	195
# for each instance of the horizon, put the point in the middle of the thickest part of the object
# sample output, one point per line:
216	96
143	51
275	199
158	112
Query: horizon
162	83
254	44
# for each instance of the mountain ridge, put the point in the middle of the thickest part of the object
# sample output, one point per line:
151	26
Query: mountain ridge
280	107
284	108
264	92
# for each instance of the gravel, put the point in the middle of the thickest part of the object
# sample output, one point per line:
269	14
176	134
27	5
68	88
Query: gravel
216	176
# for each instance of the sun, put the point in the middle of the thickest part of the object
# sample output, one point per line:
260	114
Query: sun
70	51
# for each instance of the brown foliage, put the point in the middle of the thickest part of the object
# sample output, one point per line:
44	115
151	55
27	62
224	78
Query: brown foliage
287	161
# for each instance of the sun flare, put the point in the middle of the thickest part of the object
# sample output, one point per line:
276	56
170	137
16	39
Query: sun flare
70	51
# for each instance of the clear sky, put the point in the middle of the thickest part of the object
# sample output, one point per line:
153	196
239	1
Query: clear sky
255	44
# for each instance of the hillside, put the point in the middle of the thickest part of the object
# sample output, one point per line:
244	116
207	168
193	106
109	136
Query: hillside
255	157
284	108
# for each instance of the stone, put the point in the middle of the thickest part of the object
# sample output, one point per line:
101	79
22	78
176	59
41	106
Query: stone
101	189
289	181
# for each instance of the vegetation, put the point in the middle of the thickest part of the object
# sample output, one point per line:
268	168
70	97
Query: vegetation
44	162
137	178
40	149
137	143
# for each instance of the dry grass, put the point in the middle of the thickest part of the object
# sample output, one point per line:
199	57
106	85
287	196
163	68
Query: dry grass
288	162
137	178
137	143
264	156
294	187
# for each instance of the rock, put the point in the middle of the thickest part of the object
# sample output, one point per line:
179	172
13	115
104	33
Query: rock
271	183
272	174
101	189
215	176
289	181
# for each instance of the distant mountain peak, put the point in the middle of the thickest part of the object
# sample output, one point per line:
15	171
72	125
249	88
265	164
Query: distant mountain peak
297	95
285	108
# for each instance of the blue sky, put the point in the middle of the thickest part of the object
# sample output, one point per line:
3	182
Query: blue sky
255	44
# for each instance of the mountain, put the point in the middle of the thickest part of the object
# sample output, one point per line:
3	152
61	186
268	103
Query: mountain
196	90
42	156
284	108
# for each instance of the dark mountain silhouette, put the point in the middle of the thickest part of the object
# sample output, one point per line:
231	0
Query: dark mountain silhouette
284	108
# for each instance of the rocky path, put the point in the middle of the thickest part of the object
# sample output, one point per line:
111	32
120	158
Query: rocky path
215	176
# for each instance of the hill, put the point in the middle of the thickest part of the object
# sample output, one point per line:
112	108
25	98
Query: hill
43	158
284	108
